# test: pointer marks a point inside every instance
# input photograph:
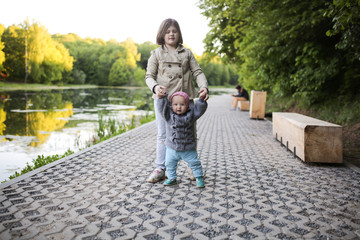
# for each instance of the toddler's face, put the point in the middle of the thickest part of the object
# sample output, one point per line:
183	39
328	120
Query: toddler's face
178	105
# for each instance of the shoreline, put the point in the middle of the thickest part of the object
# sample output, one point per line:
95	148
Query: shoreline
36	87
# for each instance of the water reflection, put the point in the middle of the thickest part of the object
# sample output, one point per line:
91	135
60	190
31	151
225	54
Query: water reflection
50	122
40	123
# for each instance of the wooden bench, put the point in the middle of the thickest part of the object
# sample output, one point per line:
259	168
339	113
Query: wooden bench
244	105
257	104
310	139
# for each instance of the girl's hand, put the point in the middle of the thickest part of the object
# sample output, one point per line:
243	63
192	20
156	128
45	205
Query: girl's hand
160	91
204	94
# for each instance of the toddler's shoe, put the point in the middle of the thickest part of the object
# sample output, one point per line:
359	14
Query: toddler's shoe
170	182
157	175
200	182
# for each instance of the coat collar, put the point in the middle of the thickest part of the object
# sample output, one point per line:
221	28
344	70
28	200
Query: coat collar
179	48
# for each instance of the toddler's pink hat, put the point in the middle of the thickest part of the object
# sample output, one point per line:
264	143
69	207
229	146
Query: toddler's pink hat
183	94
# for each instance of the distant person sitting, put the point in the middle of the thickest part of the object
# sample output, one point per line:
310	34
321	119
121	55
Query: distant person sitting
241	96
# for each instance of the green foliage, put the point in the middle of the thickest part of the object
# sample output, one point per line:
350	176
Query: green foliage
218	73
145	51
105	63
147	118
345	15
120	73
132	55
226	25
138	77
46	60
2	54
342	110
285	47
14	65
79	76
86	53
39	162
110	128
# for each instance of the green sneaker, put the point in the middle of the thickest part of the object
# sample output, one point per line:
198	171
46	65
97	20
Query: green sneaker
170	182
200	182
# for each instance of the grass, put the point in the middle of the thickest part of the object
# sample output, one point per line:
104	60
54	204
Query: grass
39	162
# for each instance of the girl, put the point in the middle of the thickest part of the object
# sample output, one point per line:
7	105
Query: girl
169	70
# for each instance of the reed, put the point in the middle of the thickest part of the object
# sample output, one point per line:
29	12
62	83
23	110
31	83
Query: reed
110	128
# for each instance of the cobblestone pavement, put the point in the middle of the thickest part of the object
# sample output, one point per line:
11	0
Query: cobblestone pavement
255	189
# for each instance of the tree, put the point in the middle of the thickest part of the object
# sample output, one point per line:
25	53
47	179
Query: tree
32	54
279	46
120	73
79	76
93	57
138	78
49	59
2	54
345	16
145	51
25	26
227	25
86	54
217	72
132	55
13	39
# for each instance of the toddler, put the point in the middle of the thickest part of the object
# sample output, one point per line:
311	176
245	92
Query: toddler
180	141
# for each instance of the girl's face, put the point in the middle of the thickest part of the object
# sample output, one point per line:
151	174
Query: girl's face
171	37
178	105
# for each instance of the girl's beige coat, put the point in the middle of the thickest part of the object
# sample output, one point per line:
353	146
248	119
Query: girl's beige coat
174	71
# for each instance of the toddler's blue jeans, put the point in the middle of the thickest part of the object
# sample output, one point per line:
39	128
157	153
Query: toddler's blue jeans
161	136
173	157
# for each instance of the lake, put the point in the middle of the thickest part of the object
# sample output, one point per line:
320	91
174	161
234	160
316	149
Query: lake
49	122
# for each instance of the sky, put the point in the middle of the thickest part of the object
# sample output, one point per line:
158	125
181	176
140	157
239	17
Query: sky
110	19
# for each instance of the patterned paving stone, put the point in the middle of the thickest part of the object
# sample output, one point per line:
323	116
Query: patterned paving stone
255	189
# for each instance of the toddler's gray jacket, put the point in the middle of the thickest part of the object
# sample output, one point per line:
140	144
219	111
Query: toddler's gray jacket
180	132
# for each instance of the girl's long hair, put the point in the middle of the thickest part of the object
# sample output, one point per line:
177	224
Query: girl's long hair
164	27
